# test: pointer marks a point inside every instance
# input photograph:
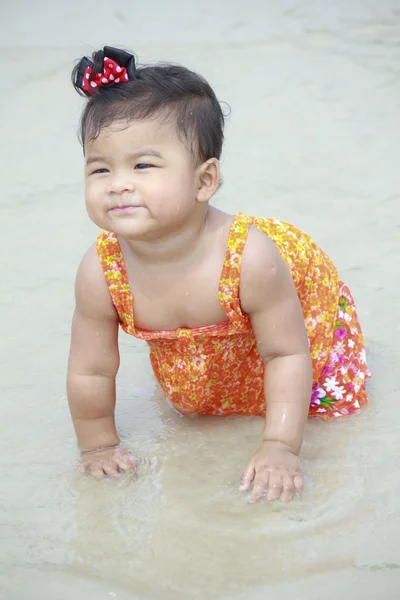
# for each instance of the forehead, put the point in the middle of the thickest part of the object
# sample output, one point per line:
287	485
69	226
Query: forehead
121	135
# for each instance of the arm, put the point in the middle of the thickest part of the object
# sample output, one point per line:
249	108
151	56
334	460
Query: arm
93	365
269	296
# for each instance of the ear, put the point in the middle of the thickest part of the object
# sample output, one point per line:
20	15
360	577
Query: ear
208	180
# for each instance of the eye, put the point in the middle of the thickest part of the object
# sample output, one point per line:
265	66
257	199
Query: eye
103	170
143	166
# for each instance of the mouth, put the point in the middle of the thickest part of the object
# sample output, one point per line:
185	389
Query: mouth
124	210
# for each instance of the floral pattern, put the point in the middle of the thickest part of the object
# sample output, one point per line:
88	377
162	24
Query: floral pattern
217	369
341	386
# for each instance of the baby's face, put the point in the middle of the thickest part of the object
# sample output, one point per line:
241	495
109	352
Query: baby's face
140	180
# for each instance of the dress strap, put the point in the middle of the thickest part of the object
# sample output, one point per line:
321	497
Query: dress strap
230	278
112	263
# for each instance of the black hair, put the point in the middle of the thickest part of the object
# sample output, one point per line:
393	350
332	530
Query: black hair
165	90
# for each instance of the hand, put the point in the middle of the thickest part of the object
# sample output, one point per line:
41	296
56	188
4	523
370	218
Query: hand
110	462
275	473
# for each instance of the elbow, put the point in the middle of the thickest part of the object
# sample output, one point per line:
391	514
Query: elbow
300	356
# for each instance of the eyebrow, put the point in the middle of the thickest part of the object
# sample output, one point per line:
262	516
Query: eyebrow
135	155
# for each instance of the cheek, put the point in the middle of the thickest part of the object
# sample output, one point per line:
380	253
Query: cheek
169	206
93	204
173	195
91	192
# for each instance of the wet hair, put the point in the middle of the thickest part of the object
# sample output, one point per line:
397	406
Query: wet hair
167	91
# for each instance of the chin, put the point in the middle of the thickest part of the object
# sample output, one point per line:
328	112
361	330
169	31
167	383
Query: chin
130	230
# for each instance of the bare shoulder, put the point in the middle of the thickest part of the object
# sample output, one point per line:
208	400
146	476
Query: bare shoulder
265	275
91	290
261	261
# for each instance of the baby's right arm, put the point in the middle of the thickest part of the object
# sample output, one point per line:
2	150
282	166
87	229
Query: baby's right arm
92	369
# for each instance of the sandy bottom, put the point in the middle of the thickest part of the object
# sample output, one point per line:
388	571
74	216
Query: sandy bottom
314	89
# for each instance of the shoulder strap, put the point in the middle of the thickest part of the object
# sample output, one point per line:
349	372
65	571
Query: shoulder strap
112	263
230	277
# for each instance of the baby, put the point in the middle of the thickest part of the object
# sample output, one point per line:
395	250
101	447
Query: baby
243	315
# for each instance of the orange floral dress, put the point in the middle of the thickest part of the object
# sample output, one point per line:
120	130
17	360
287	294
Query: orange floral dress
217	369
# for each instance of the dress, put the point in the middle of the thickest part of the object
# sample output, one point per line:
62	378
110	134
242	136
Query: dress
217	369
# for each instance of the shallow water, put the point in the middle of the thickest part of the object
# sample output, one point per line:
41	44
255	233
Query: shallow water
313	138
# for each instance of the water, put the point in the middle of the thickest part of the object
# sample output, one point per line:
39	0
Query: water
313	138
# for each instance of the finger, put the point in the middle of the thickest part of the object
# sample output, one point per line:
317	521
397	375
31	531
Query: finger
123	453
124	460
125	464
274	486
298	484
97	472
83	469
287	488
260	484
247	477
110	469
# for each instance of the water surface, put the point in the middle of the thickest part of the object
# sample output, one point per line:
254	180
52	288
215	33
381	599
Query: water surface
313	139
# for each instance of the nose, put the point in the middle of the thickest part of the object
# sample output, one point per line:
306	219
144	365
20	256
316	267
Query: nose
120	182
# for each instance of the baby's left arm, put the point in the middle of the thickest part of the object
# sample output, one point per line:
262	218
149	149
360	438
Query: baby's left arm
269	297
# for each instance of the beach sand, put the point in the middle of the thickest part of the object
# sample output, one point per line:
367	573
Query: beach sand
313	136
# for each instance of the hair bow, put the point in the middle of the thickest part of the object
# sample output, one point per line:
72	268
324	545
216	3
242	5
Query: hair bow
118	66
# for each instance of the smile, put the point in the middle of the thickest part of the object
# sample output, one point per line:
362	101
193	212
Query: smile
123	210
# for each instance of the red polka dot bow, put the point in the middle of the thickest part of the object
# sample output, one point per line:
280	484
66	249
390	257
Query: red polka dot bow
118	66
